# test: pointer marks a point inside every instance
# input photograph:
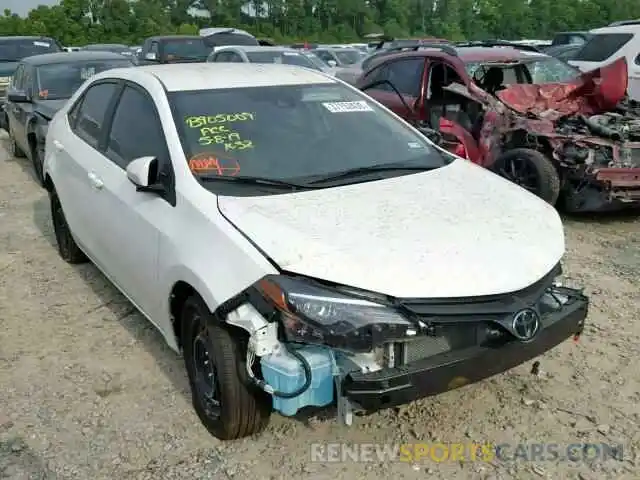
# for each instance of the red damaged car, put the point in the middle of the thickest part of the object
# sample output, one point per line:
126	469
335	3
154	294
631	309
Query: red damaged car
570	138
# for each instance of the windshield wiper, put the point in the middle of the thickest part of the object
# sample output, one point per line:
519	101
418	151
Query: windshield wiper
356	172
270	182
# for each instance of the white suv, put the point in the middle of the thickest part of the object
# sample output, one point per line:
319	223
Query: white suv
298	242
608	44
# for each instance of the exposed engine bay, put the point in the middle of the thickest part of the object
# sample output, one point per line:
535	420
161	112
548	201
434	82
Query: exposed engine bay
588	129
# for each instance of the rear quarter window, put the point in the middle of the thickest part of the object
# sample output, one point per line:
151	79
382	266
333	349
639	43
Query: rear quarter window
602	46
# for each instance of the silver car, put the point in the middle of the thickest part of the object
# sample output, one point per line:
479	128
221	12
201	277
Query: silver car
260	54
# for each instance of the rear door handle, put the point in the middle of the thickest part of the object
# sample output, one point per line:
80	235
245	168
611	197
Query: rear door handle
95	181
58	146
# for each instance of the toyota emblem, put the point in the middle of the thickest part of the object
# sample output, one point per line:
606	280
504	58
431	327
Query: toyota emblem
526	324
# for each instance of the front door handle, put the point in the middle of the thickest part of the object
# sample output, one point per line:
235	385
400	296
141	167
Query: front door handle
95	181
58	146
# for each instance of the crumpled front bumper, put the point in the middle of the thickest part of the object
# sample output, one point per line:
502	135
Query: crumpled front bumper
609	189
440	373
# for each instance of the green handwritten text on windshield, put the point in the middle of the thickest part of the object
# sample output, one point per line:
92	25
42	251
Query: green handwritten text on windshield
217	130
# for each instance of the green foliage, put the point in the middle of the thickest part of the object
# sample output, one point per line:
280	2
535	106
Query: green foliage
78	22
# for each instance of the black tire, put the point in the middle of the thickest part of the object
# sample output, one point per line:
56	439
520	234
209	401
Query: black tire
14	149
226	404
531	170
67	247
37	156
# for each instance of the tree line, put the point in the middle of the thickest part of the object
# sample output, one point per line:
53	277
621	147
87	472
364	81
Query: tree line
79	22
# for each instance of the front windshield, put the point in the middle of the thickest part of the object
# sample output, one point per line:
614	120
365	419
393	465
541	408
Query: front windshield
189	49
15	50
551	70
60	80
316	60
347	56
288	58
293	132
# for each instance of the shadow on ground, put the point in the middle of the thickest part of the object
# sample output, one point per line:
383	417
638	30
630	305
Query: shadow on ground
126	314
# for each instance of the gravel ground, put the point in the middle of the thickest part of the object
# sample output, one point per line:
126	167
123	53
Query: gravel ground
90	391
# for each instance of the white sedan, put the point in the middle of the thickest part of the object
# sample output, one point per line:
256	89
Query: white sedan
298	243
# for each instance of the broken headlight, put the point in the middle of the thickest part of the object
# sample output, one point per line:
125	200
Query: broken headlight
312	313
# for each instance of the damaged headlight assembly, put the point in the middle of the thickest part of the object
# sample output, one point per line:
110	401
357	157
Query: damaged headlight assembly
314	314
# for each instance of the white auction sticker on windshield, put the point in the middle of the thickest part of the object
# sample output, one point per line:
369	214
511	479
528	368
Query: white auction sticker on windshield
42	44
343	107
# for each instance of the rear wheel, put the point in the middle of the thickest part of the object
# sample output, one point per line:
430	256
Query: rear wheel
531	170
214	357
67	247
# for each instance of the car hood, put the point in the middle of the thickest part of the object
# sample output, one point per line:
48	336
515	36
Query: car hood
7	68
456	231
48	108
592	93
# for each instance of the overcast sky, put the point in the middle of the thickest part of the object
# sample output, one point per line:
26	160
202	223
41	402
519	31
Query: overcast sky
21	7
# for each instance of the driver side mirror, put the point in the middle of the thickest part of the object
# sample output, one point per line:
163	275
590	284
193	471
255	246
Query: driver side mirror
18	97
332	63
151	56
143	173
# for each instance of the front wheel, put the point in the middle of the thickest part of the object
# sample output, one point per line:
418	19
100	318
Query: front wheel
14	149
37	156
214	357
531	170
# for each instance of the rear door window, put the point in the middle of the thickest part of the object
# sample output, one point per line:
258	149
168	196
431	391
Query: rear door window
93	112
602	46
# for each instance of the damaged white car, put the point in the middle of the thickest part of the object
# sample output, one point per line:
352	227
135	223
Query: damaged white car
299	243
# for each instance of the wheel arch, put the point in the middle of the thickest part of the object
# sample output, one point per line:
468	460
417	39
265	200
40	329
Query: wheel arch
186	285
48	183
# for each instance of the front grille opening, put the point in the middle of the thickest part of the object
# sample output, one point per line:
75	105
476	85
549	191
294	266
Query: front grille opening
449	337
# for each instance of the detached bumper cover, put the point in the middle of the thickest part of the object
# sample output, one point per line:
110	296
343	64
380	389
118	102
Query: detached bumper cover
440	373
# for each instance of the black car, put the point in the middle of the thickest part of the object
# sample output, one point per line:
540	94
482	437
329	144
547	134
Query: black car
109	47
174	49
40	86
14	49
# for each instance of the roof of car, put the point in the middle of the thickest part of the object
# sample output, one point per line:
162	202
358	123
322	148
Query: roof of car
634	28
465	54
257	48
335	49
105	45
68	57
25	37
480	54
206	76
176	37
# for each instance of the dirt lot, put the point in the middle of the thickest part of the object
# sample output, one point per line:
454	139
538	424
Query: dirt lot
90	391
